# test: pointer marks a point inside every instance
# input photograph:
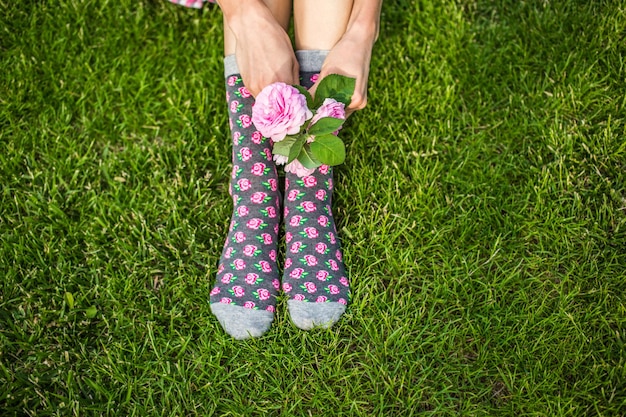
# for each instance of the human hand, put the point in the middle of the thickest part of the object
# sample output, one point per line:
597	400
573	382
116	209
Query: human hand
351	57
263	49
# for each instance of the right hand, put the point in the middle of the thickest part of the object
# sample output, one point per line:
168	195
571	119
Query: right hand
263	49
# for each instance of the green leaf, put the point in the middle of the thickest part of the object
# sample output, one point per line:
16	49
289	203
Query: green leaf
305	93
325	125
329	150
334	86
69	299
91	312
296	148
284	146
307	159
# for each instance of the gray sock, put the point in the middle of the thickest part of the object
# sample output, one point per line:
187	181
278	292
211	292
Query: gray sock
314	277
244	296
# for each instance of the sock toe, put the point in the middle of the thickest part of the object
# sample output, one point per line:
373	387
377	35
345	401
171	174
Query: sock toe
307	315
242	323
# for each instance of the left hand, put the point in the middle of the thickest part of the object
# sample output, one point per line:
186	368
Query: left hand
351	57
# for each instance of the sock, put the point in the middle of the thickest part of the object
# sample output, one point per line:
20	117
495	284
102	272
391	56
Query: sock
244	297
314	277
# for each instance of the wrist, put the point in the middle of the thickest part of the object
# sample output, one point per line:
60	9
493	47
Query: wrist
363	31
238	13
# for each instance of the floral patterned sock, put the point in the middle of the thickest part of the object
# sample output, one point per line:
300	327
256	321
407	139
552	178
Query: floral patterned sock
244	297
314	277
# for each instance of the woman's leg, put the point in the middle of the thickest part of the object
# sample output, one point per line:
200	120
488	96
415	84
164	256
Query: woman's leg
244	296
314	276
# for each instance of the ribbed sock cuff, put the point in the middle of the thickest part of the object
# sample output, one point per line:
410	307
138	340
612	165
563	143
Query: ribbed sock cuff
230	66
311	60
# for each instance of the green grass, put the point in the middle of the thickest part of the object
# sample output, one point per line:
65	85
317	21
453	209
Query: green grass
482	210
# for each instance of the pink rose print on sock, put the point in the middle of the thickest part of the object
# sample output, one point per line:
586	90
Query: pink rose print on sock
331	238
265	266
344	281
333	289
251	278
286	287
245	93
267	238
234	106
324	169
248	304
321	248
299	297
244	184
273	184
310	287
228	253
250	250
287	183
296	273
333	265
215	291
322	275
314	78
257	137
239	237
254	224
293	195
245	153
330	183
258	169
342	301
272	255
220	268
321	299
295	220
320	195
245	120
268	154
236	137
271	309
311	232
232	226
288	263
276	229
258	197
309	181
263	294
276	284
235	171
226	300
322	220
232	80
310	260
296	247
242	211
239	264
338	255
288	237
227	278
308	206
238	291
271	212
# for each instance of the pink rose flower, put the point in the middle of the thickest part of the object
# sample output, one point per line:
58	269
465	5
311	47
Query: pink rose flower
263	294
257	137
236	136
288	237
271	309
333	265
265	266
286	287
323	169
296	273
342	301
309	206
239	264
238	291
280	110
271	212
233	174
215	291
251	278
227	278
330	108
338	255
258	197
258	169
233	106
233	80
228	252
321	299
239	237
299	297
322	220
244	184
322	275
267	238
344	281
288	263
245	153
310	260
245	120
249	250
276	284
254	223
245	93
273	184
321	247
320	195
311	232
226	300
248	304
295	167
295	220
293	195
273	255
331	237
309	181
242	211
333	289
314	78
295	247
310	287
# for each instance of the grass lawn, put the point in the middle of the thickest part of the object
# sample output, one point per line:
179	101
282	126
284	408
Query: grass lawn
482	209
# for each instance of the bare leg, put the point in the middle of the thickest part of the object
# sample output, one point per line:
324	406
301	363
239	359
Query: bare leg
319	24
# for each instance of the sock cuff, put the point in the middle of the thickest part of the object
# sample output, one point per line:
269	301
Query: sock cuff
311	60
230	66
